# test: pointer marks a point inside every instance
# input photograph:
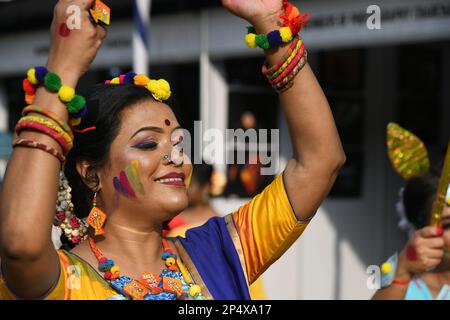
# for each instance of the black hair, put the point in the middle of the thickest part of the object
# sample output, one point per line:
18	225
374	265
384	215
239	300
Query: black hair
418	198
202	173
105	104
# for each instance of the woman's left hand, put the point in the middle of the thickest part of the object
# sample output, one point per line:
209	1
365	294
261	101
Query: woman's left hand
262	14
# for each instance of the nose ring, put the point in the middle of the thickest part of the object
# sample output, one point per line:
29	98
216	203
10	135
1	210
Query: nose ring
166	158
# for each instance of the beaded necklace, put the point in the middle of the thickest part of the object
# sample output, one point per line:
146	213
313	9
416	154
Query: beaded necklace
174	282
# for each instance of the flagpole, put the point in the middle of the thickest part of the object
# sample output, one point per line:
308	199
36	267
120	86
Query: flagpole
141	44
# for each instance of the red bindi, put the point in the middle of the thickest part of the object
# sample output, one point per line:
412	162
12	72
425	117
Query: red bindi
167	122
63	30
411	253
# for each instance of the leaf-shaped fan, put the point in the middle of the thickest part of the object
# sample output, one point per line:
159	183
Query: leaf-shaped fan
407	152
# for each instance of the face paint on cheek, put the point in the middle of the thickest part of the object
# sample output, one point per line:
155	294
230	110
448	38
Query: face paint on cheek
411	253
122	185
132	172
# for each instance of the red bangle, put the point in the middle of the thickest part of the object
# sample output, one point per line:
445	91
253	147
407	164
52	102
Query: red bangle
287	81
40	146
268	70
289	69
24	125
49	114
401	283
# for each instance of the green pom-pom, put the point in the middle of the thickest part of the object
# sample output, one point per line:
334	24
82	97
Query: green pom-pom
77	103
52	82
262	41
251	29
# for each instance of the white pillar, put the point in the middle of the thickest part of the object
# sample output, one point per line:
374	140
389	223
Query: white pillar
140	36
213	91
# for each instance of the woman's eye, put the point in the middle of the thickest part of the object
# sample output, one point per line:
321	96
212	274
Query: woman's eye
146	145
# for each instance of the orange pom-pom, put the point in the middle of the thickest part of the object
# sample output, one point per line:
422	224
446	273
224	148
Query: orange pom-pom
29	98
141	80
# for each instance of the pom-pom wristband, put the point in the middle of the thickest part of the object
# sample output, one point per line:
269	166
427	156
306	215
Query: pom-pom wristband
47	128
49	114
41	146
273	39
41	76
293	20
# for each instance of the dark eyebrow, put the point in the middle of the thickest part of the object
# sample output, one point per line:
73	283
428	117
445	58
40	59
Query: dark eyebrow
155	129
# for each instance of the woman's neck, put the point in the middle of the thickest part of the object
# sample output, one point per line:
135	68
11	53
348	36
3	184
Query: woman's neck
135	249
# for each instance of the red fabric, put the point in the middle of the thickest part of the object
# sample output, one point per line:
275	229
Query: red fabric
176	222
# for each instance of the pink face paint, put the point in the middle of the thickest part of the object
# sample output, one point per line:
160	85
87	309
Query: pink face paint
411	253
63	30
167	122
122	185
126	185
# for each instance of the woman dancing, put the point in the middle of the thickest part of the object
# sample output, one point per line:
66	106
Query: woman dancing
126	173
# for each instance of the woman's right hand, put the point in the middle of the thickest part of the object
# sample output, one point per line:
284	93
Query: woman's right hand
72	51
423	252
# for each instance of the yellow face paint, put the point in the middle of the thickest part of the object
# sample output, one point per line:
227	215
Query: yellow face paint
132	172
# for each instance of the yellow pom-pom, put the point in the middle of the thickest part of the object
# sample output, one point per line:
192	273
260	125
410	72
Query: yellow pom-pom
66	93
250	40
170	262
31	75
116	80
141	80
386	267
160	89
195	290
286	34
115	269
74	122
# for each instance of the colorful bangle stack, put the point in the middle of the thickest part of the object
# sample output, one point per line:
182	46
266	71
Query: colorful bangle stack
282	74
76	104
48	127
293	20
47	113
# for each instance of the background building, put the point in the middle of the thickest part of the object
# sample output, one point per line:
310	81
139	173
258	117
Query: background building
399	73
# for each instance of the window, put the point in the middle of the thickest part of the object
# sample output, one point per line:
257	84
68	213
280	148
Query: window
341	74
419	91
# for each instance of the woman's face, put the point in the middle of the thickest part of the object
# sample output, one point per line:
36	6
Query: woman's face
138	179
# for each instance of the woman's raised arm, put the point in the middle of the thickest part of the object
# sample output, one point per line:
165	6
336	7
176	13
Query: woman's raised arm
30	265
318	152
